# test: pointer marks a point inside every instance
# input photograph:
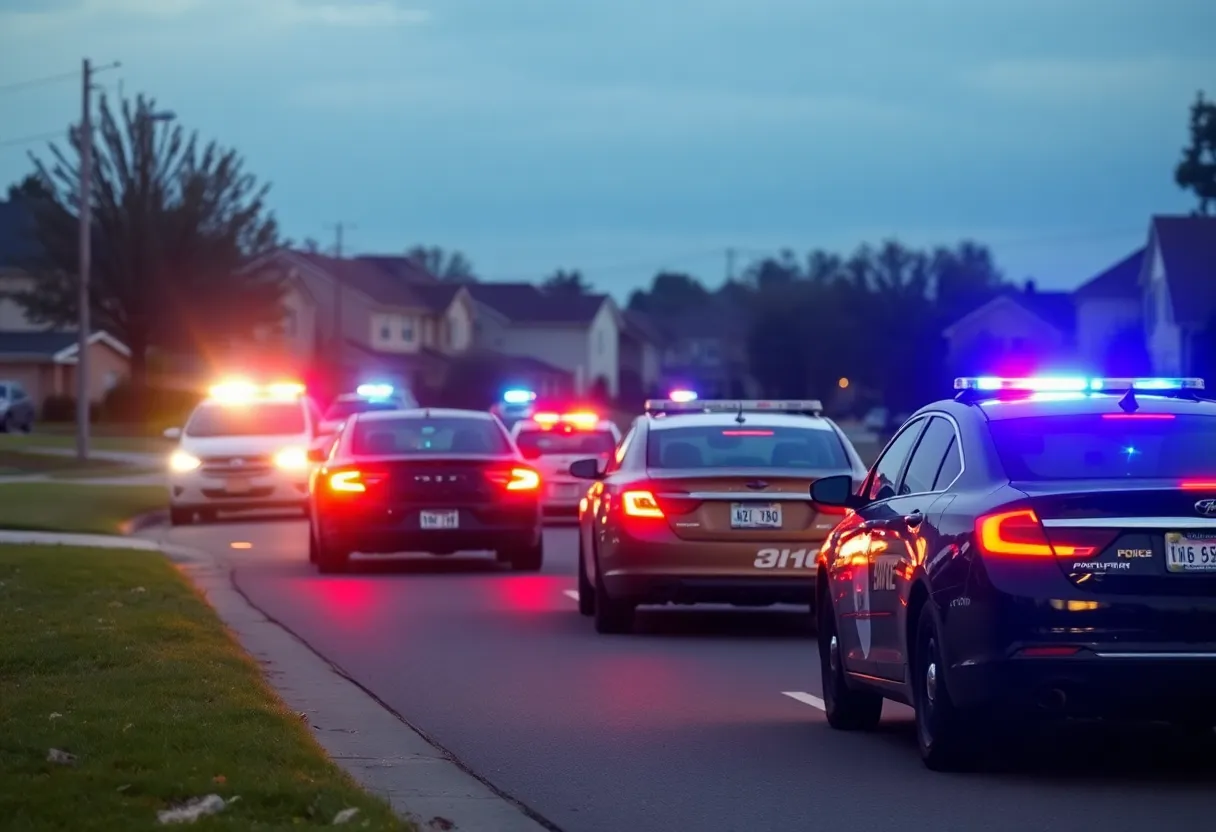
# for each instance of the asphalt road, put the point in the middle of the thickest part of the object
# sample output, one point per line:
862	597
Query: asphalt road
689	725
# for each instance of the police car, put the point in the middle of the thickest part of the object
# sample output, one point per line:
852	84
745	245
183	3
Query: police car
1032	548
553	441
365	399
516	404
244	447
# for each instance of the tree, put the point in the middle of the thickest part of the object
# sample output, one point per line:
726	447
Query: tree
670	293
174	221
563	282
1197	170
451	267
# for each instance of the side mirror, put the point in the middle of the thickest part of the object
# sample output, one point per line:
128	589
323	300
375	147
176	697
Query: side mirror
173	433
586	469
835	491
530	453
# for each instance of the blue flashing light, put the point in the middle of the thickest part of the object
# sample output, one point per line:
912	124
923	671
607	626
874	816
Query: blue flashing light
1074	384
374	391
518	396
682	396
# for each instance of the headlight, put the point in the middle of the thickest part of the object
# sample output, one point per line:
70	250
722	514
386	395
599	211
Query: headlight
182	462
292	459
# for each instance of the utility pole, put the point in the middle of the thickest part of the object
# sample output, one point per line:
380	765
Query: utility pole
339	352
86	261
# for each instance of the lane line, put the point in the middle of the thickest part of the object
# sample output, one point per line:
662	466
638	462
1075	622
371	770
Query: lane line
805	699
572	594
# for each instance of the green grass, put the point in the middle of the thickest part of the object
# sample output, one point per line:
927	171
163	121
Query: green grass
112	657
42	438
75	507
21	463
119	470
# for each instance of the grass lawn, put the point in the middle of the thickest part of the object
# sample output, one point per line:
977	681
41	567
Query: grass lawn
75	507
113	658
20	463
41	438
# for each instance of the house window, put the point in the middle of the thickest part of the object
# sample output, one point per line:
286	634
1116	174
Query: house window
386	334
407	332
599	343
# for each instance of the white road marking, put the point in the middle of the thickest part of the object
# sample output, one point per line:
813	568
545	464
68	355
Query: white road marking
572	594
805	699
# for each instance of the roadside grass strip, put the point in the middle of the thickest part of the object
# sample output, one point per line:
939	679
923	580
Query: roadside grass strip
25	463
123	696
44	437
76	507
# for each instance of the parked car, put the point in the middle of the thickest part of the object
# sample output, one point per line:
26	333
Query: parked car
16	408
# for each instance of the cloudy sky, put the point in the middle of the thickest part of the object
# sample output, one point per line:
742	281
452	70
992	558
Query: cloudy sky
624	136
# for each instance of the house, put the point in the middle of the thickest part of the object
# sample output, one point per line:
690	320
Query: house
1110	319
640	356
44	361
580	334
706	349
1177	285
1014	332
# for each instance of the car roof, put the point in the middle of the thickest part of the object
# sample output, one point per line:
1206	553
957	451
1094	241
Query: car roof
424	413
778	420
1072	404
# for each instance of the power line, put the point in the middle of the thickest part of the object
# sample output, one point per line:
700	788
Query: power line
37	82
37	137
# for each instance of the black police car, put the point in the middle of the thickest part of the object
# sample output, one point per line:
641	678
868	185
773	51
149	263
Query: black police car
1031	548
427	480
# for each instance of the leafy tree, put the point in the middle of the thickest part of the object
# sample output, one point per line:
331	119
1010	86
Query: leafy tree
29	188
173	221
670	293
563	282
451	267
1197	170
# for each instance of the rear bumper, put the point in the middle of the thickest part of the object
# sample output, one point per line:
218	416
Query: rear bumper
689	589
1161	684
500	532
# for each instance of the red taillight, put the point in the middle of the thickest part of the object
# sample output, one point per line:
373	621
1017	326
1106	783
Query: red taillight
1048	652
347	482
515	479
640	504
1198	485
1019	534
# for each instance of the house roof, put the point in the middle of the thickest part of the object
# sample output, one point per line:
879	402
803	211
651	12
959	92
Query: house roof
1053	308
60	347
1119	281
1188	252
524	303
399	267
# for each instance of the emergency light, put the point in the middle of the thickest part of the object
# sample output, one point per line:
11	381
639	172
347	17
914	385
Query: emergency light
585	420
1074	384
374	391
682	396
813	406
238	391
518	396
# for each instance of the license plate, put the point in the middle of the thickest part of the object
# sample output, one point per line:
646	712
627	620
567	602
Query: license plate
440	520
565	491
1190	552
753	516
238	485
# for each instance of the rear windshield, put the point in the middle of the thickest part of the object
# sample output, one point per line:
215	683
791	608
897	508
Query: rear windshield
421	436
253	419
554	442
746	446
340	410
1150	446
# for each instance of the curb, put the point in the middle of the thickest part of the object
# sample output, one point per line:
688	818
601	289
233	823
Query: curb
147	520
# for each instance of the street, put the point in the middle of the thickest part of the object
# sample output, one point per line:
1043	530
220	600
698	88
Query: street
704	720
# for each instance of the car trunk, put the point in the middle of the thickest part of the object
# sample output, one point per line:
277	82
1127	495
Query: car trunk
744	505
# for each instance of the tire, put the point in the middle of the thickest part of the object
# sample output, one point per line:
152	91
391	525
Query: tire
180	516
612	617
313	546
947	736
329	560
586	592
846	709
530	559
4	425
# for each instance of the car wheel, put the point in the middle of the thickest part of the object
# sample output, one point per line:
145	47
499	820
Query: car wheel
180	517
530	559
4	425
612	617
586	592
847	709
329	559
28	427
313	546
945	734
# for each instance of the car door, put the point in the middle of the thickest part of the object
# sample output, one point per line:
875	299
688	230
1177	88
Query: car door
850	574
898	543
590	525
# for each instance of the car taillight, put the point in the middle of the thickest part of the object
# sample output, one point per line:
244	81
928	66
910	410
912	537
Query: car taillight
347	482
640	504
515	479
1020	534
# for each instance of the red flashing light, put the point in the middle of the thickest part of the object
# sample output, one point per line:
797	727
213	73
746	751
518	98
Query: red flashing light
1019	534
1198	485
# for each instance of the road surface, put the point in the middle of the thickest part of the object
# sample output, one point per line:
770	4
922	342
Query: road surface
705	720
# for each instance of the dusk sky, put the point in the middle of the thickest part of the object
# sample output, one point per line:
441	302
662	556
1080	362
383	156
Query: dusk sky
621	137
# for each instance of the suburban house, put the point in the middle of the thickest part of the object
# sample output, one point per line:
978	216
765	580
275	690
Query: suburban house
706	350
1110	319
640	354
43	361
1016	331
581	334
1177	290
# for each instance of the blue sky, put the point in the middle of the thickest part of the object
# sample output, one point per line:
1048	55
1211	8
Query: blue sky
622	136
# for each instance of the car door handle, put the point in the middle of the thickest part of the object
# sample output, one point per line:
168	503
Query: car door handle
914	519
875	524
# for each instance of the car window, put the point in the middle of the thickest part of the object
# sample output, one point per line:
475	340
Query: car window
1080	447
886	470
927	458
420	436
952	466
341	410
754	445
573	442
618	456
18	392
253	419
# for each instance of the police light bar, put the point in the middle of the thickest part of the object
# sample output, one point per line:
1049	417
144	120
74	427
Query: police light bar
518	396
585	420
1074	384
237	391
374	391
682	396
734	406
